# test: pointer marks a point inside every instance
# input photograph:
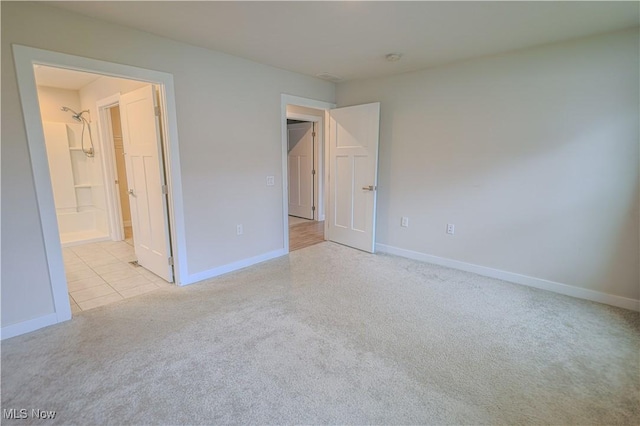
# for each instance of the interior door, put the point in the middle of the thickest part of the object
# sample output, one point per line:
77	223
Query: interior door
145	178
353	174
300	163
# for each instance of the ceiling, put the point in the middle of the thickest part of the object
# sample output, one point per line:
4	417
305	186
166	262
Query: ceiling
63	78
350	39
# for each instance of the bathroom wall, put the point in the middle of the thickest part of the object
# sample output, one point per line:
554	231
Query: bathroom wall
52	99
68	167
59	156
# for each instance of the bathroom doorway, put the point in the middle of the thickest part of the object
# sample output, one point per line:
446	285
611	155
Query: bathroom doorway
86	155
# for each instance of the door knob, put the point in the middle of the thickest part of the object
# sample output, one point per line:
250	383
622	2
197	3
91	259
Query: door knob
369	188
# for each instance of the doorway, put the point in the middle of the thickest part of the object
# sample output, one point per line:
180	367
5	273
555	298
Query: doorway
115	129
307	110
87	168
349	157
305	143
25	58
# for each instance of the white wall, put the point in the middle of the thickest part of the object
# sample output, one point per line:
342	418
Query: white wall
51	99
532	155
229	129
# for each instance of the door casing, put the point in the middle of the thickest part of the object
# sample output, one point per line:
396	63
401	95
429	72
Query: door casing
25	58
322	149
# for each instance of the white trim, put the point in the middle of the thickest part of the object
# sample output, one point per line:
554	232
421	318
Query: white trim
28	326
173	179
25	58
567	290
109	174
303	117
240	264
308	103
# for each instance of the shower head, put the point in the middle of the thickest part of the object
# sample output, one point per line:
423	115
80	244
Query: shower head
76	115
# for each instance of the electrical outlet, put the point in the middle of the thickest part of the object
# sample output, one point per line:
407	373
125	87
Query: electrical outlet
404	222
451	228
271	180
239	230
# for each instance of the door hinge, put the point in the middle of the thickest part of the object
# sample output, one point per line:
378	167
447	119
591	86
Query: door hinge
313	208
313	134
170	260
165	189
157	111
313	172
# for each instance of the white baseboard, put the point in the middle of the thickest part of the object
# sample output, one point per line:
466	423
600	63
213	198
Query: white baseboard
28	326
568	290
225	269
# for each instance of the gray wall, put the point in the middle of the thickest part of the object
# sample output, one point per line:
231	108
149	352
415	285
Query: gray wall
532	155
229	128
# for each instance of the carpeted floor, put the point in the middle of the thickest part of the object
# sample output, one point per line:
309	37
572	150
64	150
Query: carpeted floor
331	335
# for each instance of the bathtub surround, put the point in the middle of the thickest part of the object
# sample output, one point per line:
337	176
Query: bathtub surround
330	335
78	179
74	177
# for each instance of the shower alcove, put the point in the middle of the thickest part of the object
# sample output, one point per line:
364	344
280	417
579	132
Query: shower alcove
77	185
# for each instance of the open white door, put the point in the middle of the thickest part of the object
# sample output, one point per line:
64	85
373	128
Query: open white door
300	161
353	175
145	179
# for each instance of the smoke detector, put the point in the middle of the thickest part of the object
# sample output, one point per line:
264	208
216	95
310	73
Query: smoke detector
393	57
329	77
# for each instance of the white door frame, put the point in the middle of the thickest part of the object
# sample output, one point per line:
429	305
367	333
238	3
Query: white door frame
322	150
25	58
105	131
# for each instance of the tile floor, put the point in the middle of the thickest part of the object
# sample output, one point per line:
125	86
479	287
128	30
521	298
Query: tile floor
100	273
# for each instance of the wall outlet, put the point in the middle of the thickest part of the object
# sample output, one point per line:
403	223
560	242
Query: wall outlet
239	230
451	228
404	222
271	180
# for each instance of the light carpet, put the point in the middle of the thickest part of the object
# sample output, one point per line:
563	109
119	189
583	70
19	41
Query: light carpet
331	335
